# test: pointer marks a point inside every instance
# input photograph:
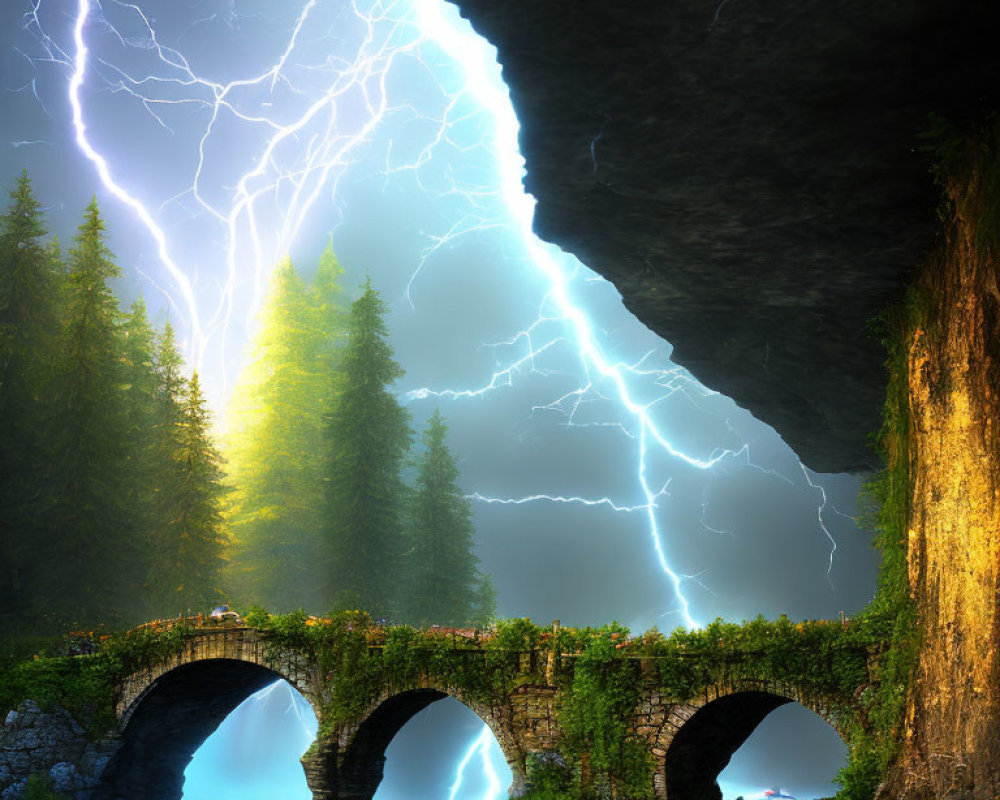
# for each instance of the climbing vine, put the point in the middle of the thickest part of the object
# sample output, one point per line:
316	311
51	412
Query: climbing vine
875	739
359	659
967	169
597	707
84	685
601	674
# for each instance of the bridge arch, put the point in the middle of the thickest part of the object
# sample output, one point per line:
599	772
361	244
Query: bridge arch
352	769
167	709
219	666
714	728
169	721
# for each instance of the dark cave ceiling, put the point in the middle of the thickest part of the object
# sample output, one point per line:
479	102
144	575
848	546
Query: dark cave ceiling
752	176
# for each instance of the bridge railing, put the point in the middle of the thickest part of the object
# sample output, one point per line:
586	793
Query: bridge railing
196	621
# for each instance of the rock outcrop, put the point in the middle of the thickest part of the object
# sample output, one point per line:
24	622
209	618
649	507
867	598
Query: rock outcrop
52	745
748	175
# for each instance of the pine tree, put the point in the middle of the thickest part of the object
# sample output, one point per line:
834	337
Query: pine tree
190	543
139	362
28	335
81	575
328	322
276	449
368	435
445	587
165	479
484	604
171	384
139	408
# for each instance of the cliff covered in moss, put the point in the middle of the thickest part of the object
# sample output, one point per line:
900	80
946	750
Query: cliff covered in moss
950	746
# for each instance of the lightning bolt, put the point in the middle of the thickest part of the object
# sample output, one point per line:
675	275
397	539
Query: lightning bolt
550	498
480	745
299	156
819	518
307	149
312	124
104	171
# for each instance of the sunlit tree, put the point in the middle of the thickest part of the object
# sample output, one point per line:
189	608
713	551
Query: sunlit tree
328	320
276	444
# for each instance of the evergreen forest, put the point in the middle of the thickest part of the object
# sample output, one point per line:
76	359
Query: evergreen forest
120	502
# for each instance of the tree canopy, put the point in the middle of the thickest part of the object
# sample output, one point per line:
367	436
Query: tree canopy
116	505
444	586
105	452
368	435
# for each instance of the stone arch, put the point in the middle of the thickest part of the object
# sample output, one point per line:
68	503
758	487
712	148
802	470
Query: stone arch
352	768
166	722
716	725
233	644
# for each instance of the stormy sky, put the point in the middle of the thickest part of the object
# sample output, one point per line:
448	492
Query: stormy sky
608	483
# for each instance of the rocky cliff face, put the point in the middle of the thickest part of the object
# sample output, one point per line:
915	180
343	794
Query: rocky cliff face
748	176
49	744
952	736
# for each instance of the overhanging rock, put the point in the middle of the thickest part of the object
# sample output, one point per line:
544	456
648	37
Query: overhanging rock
749	176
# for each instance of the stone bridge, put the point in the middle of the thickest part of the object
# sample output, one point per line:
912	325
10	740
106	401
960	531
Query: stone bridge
167	710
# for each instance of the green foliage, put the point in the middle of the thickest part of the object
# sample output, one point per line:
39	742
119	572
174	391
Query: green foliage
443	585
165	575
139	403
80	685
112	476
28	322
39	787
124	653
276	447
286	631
891	615
189	548
596	713
549	778
89	521
368	435
821	657
600	674
319	516
83	685
359	659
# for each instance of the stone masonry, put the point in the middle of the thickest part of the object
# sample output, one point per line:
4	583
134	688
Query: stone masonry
52	744
167	710
346	763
